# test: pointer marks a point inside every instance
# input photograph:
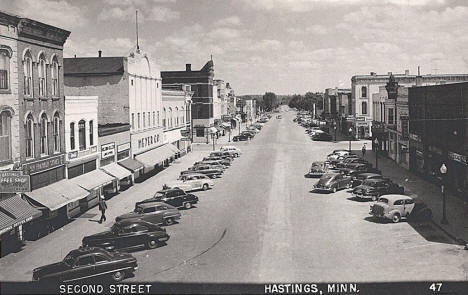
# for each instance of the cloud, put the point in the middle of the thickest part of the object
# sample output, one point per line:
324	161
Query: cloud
156	13
109	47
225	33
116	13
162	14
137	3
232	20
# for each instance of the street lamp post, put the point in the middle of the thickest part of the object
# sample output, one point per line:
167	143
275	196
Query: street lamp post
335	131
350	134
213	139
443	171
229	138
376	141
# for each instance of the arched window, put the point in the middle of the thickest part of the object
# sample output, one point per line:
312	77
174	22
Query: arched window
4	69
5	136
170	118
27	67
363	91
72	135
29	136
91	133
164	118
44	147
177	116
42	73
364	108
82	135
56	133
55	74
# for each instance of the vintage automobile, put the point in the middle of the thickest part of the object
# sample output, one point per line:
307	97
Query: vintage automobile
358	178
173	196
225	160
128	235
221	154
88	263
357	168
154	212
278	116
204	169
214	163
346	163
317	169
374	188
332	182
396	207
248	134
322	137
191	182
336	154
253	129
236	152
199	165
241	137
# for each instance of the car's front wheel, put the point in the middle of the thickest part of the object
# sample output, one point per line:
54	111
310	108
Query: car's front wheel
151	243
188	205
169	221
396	217
205	186
334	189
118	276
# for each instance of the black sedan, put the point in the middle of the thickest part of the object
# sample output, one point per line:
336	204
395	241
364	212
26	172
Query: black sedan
349	161
87	263
322	136
128	235
331	182
359	178
357	168
174	197
241	137
372	189
249	134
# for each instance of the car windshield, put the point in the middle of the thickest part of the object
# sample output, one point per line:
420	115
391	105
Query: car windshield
383	200
370	183
158	195
69	259
138	210
326	178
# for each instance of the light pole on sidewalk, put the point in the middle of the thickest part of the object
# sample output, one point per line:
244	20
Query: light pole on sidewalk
376	141
443	171
213	139
350	134
229	138
334	127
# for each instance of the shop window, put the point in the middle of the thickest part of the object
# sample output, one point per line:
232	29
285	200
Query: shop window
29	136
91	133
43	129
27	67
56	132
200	132
72	136
89	166
42	75
4	69
82	135
5	136
55	77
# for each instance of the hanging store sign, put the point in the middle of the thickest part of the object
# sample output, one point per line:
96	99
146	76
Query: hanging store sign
14	182
107	150
49	163
458	158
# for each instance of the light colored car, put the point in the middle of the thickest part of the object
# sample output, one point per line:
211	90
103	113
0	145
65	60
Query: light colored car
336	155
236	152
393	207
191	182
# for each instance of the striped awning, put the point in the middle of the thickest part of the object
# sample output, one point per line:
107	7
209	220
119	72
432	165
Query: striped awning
93	179
15	211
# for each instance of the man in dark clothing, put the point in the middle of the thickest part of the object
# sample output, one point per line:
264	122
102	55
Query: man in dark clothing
363	150
102	208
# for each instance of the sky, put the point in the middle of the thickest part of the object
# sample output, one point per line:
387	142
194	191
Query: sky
283	46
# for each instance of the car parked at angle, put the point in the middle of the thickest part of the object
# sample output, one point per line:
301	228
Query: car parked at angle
322	137
248	134
332	182
154	212
173	196
222	154
317	169
199	166
235	151
206	170
351	167
347	161
336	154
191	182
87	263
358	178
216	163
372	189
128	235
241	137
397	207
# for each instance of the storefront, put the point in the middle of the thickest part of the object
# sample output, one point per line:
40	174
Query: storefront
159	156
124	177
81	162
45	172
97	183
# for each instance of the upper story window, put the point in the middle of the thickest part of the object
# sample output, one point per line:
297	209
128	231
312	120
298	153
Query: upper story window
91	133
154	118
149	119
42	74
44	145
55	77
364	108
177	116
169	119
182	116
164	118
363	91
157	118
5	136
133	120
29	132
27	67
138	119
144	124
72	136
82	135
4	69
56	131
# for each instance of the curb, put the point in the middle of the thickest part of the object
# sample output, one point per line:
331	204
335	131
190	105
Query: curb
459	241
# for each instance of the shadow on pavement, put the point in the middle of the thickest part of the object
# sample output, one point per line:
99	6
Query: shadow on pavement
430	232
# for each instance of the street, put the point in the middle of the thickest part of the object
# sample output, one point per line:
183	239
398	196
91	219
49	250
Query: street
262	223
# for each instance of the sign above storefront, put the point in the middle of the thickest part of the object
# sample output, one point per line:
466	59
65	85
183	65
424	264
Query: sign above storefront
123	147
14	182
458	158
41	165
147	140
415	137
107	150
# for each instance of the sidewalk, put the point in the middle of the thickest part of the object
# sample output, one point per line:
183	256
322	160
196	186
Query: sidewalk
456	209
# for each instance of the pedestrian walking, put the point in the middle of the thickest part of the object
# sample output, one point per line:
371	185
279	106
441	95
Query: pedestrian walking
363	150
102	208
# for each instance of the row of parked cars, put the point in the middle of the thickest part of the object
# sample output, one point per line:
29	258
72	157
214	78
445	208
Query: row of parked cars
317	130
252	129
104	253
345	170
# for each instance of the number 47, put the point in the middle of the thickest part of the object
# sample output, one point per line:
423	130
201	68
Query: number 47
435	287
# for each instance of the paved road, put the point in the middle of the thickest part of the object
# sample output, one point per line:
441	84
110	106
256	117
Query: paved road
261	223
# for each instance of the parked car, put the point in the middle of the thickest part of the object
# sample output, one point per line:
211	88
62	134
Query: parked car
336	154
332	182
347	161
173	196
88	262
128	235
241	137
350	167
317	169
236	152
214	163
154	212
396	207
278	116
225	160
191	182
322	137
222	154
374	188
204	169
199	165
358	178
248	134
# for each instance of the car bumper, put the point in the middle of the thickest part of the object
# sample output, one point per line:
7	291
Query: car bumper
322	189
363	196
163	239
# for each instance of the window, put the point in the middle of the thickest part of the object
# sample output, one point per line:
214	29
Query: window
42	74
72	136
91	133
133	120
363	91
55	73
100	258
29	136
138	119
82	135
144	121
200	132
56	132
182	116
86	260
169	122
149	210
44	147
157	118
5	138
154	118
4	69
164	118
149	119
390	116
27	67
177	116
364	108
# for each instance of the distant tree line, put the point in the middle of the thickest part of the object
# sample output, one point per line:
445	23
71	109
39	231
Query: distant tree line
306	102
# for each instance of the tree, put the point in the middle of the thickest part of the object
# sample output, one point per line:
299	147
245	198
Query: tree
270	101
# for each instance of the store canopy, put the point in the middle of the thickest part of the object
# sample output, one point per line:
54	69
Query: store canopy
131	164
213	130
227	125
93	179
155	156
58	194
15	211
173	148
116	170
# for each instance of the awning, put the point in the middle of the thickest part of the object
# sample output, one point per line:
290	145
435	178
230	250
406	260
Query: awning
131	164
15	211
213	130
58	194
173	148
227	125
93	179
155	156
117	171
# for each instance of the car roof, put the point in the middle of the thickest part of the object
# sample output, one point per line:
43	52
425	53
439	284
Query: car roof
87	250
394	197
163	191
195	174
368	174
376	180
152	204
